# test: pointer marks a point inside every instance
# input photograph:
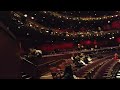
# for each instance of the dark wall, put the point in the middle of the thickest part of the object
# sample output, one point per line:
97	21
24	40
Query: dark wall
5	17
9	57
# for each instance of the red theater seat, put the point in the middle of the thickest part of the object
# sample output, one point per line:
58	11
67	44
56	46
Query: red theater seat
62	67
56	74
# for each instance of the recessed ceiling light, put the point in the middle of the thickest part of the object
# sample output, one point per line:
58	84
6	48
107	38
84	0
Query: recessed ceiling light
25	15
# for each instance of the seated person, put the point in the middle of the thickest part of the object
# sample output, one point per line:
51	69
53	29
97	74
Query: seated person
35	52
115	56
86	60
82	62
73	57
38	53
34	55
68	73
31	52
79	63
89	59
82	58
82	55
77	57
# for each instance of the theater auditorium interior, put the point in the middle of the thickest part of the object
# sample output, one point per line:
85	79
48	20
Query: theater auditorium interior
60	45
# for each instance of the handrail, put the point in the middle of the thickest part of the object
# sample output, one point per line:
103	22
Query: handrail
24	59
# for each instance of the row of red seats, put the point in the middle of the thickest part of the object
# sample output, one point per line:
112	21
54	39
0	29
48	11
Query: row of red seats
87	68
105	71
91	73
58	71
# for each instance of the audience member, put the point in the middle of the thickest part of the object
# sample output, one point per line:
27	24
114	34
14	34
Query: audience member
82	62
68	73
86	59
115	56
73	57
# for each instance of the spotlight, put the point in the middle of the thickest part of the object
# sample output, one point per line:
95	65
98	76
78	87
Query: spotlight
25	15
30	25
113	37
47	31
27	34
108	21
32	17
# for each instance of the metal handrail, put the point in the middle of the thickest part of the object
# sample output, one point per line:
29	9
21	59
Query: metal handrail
28	61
